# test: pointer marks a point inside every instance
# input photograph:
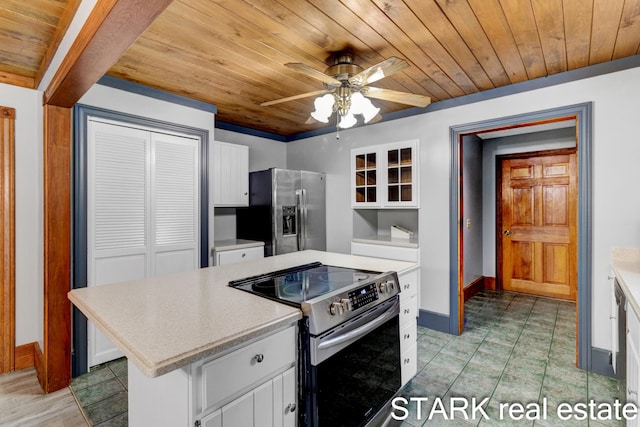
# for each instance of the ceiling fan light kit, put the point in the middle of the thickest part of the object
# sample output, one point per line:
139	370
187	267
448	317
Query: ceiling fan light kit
346	93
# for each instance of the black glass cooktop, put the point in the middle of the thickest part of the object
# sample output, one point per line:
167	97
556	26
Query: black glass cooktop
302	283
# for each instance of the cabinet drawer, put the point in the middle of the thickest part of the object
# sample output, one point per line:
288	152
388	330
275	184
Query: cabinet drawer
245	367
633	327
408	285
409	364
408	335
397	253
408	311
239	255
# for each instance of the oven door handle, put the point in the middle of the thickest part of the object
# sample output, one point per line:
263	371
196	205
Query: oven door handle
354	334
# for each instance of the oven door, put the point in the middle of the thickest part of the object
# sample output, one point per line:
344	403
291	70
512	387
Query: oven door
355	368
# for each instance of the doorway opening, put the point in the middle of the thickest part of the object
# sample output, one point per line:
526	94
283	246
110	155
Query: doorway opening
572	126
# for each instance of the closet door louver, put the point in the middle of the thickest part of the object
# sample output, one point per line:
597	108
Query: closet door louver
175	203
120	191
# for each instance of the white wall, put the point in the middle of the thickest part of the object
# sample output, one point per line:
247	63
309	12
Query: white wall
29	259
616	221
472	236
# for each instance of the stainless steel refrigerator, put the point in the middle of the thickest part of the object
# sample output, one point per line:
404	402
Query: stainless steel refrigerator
287	211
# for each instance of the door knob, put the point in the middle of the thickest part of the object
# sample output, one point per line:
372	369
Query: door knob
507	232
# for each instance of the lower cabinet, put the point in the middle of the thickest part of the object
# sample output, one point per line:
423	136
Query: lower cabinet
251	385
633	360
409	283
233	256
408	324
269	405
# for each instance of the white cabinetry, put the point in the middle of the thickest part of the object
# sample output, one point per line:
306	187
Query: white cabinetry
238	255
230	174
408	324
232	251
254	385
385	176
633	360
409	283
261	407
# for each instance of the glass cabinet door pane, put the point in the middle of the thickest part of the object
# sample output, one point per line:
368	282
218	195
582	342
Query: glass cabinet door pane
360	178
371	194
394	193
405	174
405	156
371	160
393	176
371	177
405	194
360	164
392	158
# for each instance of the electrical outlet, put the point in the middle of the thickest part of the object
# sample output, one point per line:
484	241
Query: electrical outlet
468	223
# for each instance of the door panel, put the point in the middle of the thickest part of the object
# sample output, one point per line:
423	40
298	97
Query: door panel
285	205
539	225
315	225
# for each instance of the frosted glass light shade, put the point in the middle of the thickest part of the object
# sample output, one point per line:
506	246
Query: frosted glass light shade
324	108
362	105
347	120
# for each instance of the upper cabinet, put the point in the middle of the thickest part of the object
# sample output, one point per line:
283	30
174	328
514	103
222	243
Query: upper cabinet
230	174
385	176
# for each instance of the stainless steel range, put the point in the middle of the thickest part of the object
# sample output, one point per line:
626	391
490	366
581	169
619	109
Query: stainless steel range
349	347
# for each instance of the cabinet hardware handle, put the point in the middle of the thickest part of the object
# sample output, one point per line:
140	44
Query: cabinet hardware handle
629	391
245	193
610	276
407	336
244	255
259	358
290	407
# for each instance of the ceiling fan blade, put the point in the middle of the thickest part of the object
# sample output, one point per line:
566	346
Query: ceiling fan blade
294	97
395	96
378	71
313	73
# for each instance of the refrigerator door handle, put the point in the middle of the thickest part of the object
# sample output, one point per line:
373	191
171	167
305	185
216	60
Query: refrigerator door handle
299	218
303	223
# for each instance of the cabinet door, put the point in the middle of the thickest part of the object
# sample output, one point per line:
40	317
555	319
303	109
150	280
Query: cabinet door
401	174
239	412
364	178
213	420
289	399
230	174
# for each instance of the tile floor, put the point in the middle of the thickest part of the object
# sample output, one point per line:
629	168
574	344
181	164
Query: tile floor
102	394
515	348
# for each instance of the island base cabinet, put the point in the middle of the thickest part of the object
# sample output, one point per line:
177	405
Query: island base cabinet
159	401
633	360
269	405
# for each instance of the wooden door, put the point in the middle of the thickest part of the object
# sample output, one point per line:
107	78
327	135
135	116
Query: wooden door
539	225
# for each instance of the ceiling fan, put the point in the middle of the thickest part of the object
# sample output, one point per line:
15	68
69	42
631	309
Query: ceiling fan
346	90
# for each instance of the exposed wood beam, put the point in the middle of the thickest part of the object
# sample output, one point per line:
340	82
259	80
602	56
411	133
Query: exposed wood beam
108	32
57	248
111	28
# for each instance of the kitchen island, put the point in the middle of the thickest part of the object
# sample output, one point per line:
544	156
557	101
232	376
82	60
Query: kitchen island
181	334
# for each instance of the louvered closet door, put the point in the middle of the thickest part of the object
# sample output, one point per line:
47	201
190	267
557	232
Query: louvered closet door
142	203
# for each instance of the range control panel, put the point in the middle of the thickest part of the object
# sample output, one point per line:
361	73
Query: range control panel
363	296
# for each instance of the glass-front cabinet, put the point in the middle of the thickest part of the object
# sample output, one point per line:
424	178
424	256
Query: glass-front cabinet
385	175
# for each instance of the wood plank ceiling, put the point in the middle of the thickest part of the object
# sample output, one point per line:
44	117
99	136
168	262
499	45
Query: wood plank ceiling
30	33
231	52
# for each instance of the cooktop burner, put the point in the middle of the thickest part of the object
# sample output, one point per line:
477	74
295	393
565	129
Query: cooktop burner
302	283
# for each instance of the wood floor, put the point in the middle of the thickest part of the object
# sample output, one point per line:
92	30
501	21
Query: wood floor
23	403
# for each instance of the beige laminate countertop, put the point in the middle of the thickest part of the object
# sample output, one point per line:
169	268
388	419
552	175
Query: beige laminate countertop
164	323
625	263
